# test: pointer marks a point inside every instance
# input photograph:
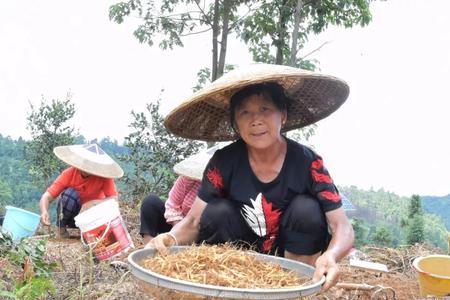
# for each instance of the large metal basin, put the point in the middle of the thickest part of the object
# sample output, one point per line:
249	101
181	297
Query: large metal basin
135	260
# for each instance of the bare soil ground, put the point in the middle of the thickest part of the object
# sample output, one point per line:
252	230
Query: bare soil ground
78	278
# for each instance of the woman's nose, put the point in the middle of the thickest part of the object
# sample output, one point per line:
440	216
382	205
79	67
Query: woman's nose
256	118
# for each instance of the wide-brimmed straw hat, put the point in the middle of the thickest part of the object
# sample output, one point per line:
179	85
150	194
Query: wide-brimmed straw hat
194	165
205	115
89	158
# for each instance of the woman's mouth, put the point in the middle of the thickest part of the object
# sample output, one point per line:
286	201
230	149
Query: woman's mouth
259	134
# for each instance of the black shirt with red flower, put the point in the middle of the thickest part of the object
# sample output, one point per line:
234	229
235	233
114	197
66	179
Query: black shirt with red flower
229	175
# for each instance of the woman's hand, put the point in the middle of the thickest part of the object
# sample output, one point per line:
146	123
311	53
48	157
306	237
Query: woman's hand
44	204
45	218
326	265
161	242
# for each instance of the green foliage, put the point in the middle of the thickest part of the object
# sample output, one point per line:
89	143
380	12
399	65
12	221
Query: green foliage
415	233
382	236
47	125
152	153
34	288
439	206
302	135
36	284
268	31
160	22
388	210
204	76
16	188
6	194
415	207
361	230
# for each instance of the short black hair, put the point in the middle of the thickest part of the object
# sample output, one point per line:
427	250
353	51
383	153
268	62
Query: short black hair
271	89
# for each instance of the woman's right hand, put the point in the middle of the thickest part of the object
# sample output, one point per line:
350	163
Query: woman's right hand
45	218
161	242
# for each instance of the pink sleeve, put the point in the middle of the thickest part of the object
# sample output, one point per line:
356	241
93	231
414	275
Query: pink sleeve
174	203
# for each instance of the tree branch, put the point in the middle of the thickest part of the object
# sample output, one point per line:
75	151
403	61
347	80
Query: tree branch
197	32
207	20
315	50
250	9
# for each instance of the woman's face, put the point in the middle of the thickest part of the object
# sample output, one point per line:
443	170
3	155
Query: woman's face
259	121
84	174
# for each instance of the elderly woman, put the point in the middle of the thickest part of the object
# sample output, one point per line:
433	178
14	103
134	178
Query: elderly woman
265	189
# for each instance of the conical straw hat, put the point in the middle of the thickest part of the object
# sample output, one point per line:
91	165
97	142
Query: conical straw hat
205	115
89	158
194	165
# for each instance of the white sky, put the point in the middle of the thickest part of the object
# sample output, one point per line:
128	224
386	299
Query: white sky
391	132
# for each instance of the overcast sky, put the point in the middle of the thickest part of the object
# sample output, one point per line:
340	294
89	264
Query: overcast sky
392	132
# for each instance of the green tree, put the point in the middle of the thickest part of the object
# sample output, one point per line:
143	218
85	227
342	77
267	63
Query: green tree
279	29
15	182
382	208
175	19
152	154
415	207
360	230
415	233
6	195
47	124
382	236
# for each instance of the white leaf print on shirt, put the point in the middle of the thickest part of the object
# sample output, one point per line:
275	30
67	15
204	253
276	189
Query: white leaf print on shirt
254	216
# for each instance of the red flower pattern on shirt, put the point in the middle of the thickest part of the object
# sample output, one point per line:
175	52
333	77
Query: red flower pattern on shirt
215	178
272	217
320	176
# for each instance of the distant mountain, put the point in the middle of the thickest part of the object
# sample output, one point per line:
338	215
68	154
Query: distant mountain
439	206
381	217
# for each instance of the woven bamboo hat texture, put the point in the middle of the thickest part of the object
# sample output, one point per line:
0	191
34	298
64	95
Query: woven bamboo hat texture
194	165
89	158
205	115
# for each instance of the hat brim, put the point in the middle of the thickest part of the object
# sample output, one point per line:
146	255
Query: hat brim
106	168
205	116
194	166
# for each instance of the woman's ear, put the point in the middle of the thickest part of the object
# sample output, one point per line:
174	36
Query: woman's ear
284	117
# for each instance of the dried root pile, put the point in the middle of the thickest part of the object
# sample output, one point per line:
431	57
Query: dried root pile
223	266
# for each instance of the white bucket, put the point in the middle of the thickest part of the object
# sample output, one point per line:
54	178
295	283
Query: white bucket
103	229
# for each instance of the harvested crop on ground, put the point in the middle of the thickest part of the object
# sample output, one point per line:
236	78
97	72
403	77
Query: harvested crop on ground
223	265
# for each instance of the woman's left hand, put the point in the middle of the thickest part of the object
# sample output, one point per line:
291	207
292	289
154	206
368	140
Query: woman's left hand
326	265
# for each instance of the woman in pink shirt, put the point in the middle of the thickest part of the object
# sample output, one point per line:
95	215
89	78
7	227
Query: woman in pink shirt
158	216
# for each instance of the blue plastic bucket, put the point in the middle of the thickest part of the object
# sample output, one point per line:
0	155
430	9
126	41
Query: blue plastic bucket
20	223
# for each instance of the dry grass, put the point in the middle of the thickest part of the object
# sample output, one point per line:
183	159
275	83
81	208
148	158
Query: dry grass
223	265
75	271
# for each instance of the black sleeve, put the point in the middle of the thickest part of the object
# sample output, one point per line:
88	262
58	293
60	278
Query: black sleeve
213	184
322	185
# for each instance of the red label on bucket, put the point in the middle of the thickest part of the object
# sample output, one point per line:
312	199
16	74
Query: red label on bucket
110	243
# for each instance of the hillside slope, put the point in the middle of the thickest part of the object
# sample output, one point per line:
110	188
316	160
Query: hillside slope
439	206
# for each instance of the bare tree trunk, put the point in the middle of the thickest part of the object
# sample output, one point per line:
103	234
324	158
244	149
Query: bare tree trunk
215	32
281	34
294	49
223	42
